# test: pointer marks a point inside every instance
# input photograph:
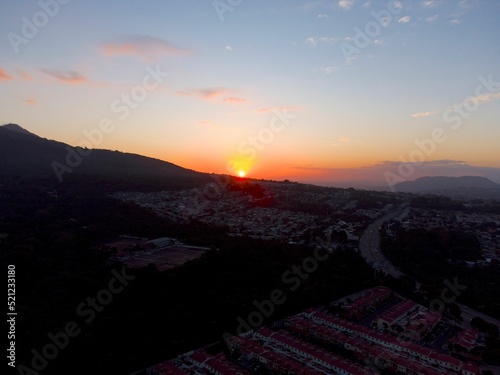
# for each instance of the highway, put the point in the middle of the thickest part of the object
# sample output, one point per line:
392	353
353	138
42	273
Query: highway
369	247
468	313
369	243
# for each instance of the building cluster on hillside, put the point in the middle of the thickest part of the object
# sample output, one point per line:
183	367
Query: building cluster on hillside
239	212
318	341
485	226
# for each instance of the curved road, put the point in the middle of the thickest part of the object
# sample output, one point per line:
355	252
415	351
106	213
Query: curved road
369	244
369	247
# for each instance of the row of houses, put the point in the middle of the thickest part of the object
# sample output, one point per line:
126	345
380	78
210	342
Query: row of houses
422	354
283	353
199	362
317	342
365	303
365	351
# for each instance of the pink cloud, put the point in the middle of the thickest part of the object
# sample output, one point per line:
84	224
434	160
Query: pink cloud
218	94
4	76
208	93
269	109
31	102
66	76
233	100
145	47
25	75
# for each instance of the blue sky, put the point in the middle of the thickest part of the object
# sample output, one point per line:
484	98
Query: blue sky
231	67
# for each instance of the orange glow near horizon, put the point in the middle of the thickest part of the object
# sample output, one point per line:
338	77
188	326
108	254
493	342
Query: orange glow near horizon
239	166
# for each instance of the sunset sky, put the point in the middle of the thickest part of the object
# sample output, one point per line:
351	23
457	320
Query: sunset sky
327	92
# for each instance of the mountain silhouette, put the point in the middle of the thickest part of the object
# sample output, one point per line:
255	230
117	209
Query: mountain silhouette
24	154
17	128
464	186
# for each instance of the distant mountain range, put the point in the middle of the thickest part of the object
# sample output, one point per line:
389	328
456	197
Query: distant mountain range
27	155
464	186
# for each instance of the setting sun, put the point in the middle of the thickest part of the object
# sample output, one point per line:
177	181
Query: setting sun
241	173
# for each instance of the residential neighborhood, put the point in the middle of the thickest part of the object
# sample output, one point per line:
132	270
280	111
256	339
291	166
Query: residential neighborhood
386	337
485	226
249	213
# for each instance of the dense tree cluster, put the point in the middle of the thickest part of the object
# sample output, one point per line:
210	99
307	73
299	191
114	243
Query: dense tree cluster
432	256
52	231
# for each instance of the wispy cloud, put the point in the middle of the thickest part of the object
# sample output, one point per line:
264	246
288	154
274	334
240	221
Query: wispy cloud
322	15
229	48
430	3
434	163
145	47
346	4
486	98
233	100
373	175
312	41
330	69
269	109
25	75
432	18
208	93
328	39
462	8
309	167
342	141
424	114
66	76
31	102
217	94
404	19
4	76
478	99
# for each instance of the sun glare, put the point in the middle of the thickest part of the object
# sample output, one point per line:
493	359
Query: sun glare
241	173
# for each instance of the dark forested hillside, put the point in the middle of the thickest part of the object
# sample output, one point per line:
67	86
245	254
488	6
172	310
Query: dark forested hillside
26	155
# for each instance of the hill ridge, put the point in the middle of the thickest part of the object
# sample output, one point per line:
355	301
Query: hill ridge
440	183
28	155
